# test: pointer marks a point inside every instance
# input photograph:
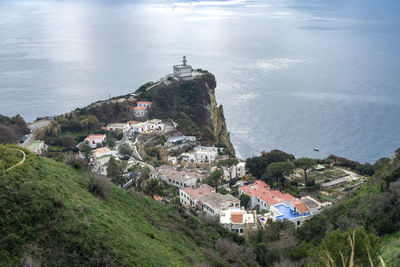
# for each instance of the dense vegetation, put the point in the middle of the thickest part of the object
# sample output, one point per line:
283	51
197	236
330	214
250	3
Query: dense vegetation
12	129
52	214
187	103
366	222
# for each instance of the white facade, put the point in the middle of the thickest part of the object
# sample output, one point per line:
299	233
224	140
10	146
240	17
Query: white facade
201	154
94	139
213	204
238	171
154	125
189	196
144	104
238	220
124	127
140	112
183	71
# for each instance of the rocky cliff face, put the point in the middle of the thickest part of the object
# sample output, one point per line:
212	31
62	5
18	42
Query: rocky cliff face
218	122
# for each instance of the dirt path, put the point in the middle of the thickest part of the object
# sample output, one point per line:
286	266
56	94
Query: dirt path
19	163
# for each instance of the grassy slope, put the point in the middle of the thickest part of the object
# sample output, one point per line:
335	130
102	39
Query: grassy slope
391	249
47	214
8	157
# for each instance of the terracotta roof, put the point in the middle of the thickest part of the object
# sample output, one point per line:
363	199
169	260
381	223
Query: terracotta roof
145	102
201	191
95	136
132	122
140	108
237	217
157	198
262	191
300	206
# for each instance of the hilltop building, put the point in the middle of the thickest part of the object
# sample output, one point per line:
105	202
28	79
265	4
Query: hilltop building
215	203
37	147
124	127
183	71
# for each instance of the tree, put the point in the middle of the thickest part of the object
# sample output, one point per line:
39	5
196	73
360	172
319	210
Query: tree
305	164
86	150
125	150
244	200
214	178
258	165
112	169
279	170
228	165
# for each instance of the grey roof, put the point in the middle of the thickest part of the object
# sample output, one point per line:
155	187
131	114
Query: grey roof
309	203
335	182
218	200
176	139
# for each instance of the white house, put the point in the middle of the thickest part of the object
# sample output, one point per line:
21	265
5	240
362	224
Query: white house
201	154
213	204
314	205
124	127
140	112
238	220
103	152
183	71
94	139
154	125
144	104
237	172
261	195
175	177
190	196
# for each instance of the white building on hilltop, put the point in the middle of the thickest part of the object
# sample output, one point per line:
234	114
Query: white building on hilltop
238	220
183	71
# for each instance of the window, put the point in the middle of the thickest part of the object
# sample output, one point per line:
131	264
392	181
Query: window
298	223
241	231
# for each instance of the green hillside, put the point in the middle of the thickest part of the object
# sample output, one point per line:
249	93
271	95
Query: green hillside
48	215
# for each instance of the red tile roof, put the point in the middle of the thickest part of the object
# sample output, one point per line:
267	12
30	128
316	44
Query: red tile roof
237	217
157	198
132	122
96	136
141	108
300	206
263	192
145	102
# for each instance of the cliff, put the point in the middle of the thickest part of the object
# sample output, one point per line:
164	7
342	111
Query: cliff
219	125
192	104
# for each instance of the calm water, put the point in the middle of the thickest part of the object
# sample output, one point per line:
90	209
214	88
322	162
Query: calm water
291	74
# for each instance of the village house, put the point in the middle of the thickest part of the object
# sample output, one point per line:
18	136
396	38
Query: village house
179	178
124	127
172	160
201	154
189	196
103	152
144	104
37	147
154	125
213	204
238	171
140	112
295	211
238	220
261	195
94	139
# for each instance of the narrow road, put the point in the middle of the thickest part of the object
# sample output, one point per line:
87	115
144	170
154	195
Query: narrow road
19	163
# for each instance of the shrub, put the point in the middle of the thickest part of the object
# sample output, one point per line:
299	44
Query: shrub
99	186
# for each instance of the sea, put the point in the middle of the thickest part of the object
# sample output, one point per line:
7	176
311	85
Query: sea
291	74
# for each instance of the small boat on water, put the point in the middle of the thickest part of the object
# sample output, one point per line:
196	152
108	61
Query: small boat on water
315	148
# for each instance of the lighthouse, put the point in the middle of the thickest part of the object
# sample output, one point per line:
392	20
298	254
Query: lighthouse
183	71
